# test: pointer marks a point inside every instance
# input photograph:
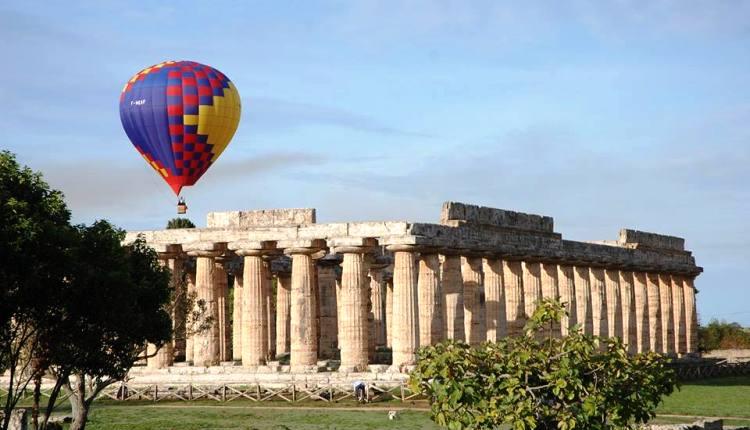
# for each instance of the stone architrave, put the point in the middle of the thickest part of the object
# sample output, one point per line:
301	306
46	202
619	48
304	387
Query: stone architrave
678	310
614	308
354	334
514	300
430	303
471	273
548	276
190	326
567	291
584	308
389	312
667	317
237	318
629	336
453	297
283	304
405	307
532	286
598	302
691	316
495	315
640	302
377	299
206	341
304	345
221	283
330	311
654	314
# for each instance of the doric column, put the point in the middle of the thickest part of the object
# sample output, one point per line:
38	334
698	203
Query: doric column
329	300
471	272
628	311
584	308
548	273
190	324
269	315
164	356
206	341
254	339
405	319
614	309
430	303
654	313
567	291
304	346
494	294
389	310
283	304
377	298
453	297
691	316
667	318
532	286
640	302
221	284
514	301
237	318
678	309
598	302
353	337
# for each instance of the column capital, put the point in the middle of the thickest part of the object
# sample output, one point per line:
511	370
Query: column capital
251	247
205	249
302	246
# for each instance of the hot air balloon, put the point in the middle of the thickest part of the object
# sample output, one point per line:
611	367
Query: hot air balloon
180	116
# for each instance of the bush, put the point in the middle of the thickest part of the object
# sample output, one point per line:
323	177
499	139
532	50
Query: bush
722	335
539	381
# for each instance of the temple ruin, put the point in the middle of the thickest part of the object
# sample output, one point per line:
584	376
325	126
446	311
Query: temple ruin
339	296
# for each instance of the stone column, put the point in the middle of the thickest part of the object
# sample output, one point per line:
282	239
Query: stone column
471	272
377	298
389	311
654	313
330	300
176	266
598	302
221	284
405	319
163	357
532	286
614	309
628	311
190	324
567	291
640	301
548	276
691	316
237	318
453	297
495	321
283	304
269	315
254	339
304	346
678	309
430	303
584	308
353	337
206	342
514	301
667	318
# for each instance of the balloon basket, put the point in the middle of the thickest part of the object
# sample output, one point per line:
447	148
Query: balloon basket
181	207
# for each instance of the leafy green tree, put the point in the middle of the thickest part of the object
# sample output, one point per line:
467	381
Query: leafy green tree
179	223
722	335
540	381
35	236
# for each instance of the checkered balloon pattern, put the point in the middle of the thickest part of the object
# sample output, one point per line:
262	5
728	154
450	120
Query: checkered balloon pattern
180	116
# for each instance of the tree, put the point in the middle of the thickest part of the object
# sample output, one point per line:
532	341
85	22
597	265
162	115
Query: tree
35	236
540	381
179	223
722	335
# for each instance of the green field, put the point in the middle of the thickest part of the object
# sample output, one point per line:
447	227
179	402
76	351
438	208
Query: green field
721	397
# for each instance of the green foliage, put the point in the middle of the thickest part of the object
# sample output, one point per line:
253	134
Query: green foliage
722	335
538	381
179	223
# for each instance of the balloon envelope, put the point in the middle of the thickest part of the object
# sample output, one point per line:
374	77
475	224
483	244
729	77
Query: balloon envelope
180	116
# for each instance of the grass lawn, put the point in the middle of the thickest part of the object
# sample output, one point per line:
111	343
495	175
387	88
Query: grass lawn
721	397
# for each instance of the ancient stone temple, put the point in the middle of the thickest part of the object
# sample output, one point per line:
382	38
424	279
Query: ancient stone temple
347	293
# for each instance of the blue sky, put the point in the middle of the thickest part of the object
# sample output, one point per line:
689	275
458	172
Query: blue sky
601	114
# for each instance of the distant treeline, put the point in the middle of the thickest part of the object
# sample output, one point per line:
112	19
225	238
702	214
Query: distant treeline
723	335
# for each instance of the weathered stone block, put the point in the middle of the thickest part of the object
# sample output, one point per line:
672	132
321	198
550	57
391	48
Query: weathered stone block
455	213
260	218
651	240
